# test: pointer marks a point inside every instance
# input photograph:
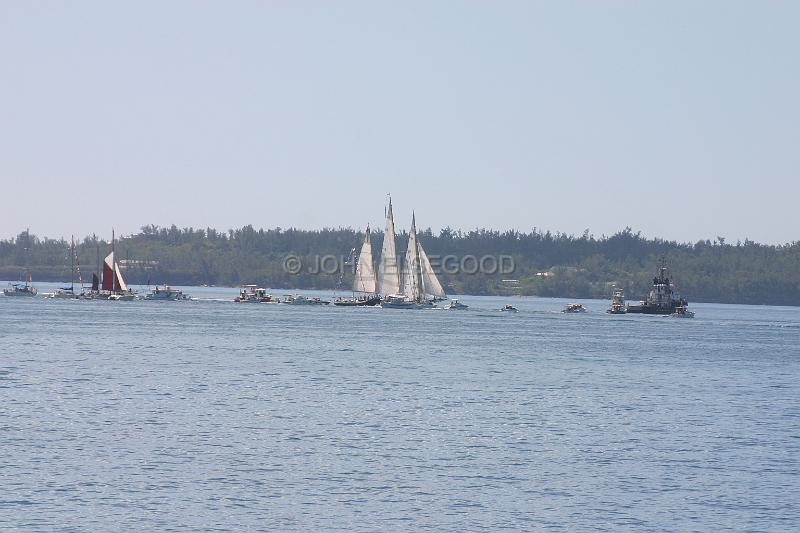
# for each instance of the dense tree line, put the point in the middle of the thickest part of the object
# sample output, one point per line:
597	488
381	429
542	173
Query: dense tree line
546	264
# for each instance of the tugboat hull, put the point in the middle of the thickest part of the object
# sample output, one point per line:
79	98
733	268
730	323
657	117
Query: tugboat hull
663	299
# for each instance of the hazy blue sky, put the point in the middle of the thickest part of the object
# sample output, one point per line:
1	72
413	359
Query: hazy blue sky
680	119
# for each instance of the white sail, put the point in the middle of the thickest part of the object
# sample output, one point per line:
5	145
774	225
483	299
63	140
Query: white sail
430	283
365	273
388	271
412	275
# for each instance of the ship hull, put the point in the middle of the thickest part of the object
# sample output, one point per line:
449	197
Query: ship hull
650	310
16	294
369	302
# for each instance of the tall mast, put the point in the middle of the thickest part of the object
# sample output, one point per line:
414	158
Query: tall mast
113	265
388	278
417	265
78	266
27	256
72	258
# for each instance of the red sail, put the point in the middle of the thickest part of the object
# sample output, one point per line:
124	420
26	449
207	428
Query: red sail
108	276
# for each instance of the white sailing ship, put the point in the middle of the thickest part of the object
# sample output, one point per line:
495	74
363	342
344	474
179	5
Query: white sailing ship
420	286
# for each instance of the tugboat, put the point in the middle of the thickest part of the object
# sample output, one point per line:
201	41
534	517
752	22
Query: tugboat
663	298
617	303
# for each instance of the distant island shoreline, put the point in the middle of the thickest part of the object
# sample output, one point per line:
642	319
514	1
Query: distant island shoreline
545	264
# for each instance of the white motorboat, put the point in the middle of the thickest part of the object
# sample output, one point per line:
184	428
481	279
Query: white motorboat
166	293
508	308
682	312
122	296
617	303
455	304
574	308
63	293
299	299
254	294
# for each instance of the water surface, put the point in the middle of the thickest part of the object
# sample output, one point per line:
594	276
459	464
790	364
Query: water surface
212	415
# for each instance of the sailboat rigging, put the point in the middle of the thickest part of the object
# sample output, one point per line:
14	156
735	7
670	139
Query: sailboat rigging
68	292
364	280
112	278
420	285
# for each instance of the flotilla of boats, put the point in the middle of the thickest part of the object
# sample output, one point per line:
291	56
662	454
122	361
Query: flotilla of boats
412	285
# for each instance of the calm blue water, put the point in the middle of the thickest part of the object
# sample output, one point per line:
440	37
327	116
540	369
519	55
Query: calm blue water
211	415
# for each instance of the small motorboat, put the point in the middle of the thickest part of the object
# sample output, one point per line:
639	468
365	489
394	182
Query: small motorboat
299	299
64	293
455	304
682	312
126	296
617	303
508	308
574	308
